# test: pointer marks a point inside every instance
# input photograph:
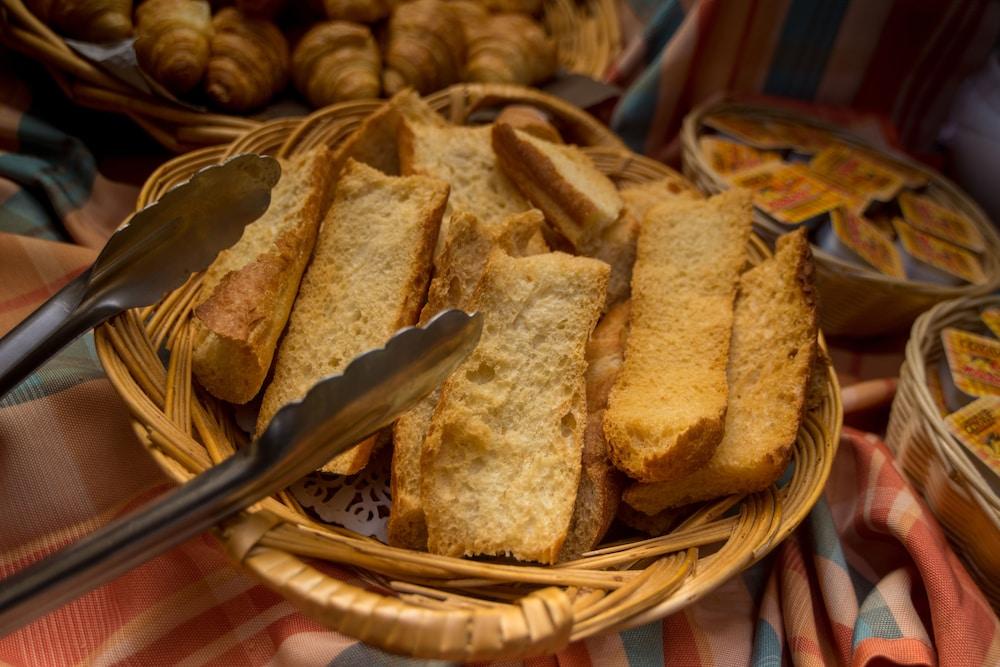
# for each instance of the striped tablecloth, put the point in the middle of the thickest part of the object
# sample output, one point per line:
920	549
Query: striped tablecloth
868	579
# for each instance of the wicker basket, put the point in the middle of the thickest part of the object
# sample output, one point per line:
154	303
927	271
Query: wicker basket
416	603
586	34
854	300
933	459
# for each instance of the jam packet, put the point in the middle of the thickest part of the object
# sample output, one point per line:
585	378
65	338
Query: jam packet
853	172
974	364
787	192
977	427
911	176
726	157
856	239
937	260
929	216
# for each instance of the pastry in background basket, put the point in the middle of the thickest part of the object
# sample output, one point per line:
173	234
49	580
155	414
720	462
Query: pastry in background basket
770	359
666	412
425	47
247	292
359	11
509	48
172	41
502	460
457	271
337	61
90	20
248	63
367	279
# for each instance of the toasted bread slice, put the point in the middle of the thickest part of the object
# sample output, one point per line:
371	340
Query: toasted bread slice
501	462
247	292
374	142
367	279
667	409
772	353
577	199
640	197
458	270
463	157
616	243
530	119
601	484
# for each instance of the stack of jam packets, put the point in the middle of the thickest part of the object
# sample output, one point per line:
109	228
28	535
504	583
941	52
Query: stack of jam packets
857	204
970	391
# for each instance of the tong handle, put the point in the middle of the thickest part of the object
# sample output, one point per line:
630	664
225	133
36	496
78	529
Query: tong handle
126	542
50	328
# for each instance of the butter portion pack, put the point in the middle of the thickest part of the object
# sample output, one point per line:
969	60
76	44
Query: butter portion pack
973	367
858	240
977	427
930	217
936	260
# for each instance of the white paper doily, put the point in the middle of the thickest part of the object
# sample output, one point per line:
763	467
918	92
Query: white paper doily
358	502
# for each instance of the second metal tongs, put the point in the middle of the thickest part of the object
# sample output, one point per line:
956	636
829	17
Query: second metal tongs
336	413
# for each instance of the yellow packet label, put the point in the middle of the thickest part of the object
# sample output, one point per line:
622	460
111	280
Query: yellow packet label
940	254
992	318
850	170
912	177
787	192
754	132
977	427
974	362
928	216
725	156
868	241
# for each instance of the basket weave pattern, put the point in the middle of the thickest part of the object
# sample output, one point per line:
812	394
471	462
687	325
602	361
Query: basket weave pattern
416	603
854	300
933	459
586	33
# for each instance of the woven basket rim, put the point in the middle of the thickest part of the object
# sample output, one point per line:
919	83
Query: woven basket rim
666	584
925	338
587	34
691	132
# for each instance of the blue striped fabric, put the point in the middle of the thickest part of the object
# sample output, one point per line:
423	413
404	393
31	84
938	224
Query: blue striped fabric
804	46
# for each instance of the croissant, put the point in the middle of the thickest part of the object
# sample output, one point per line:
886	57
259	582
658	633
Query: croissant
425	48
172	41
510	48
264	9
359	11
248	63
471	13
90	20
337	61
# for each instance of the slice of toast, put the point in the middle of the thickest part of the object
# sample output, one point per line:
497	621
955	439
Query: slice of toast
666	411
458	270
374	142
577	199
771	356
247	292
601	484
616	243
367	279
501	463
463	157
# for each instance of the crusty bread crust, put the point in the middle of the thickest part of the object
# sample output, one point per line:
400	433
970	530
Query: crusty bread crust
366	280
457	273
666	411
501	463
773	352
374	142
248	291
580	205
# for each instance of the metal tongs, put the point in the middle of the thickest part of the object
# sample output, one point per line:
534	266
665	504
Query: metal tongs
335	414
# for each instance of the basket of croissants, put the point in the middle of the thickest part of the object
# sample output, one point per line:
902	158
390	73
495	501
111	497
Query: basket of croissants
201	72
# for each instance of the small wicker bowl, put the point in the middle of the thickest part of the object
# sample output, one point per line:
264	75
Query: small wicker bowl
586	33
854	300
932	457
421	604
